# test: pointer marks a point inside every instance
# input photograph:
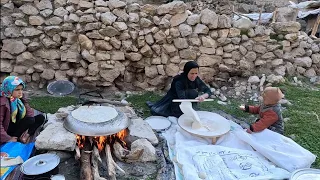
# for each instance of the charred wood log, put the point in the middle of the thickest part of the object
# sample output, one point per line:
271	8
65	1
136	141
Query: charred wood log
95	159
126	155
112	166
85	160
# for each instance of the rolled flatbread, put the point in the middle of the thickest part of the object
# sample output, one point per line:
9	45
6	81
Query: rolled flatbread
94	114
197	124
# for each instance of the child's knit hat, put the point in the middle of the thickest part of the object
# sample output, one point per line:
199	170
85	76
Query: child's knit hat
272	95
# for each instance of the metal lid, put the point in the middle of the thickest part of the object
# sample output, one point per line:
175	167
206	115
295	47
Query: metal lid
106	128
40	164
60	87
158	123
306	174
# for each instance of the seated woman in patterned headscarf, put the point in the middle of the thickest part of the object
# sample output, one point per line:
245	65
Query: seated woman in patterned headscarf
186	85
17	120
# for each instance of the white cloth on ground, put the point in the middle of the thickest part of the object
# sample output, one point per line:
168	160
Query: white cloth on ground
231	157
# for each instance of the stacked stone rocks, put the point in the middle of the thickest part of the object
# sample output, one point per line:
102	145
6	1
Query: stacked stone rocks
112	44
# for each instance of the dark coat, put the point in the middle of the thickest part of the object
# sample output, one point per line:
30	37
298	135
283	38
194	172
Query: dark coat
5	116
181	88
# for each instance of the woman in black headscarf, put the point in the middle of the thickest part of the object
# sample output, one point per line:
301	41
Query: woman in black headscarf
186	85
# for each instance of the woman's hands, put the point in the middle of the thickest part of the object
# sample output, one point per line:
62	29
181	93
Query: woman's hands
13	139
24	137
242	107
202	97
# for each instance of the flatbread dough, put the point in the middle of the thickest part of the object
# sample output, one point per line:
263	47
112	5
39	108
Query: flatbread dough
186	108
94	114
213	125
11	161
197	124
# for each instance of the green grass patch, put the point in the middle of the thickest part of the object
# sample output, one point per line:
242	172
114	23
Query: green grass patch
139	102
49	104
304	114
244	32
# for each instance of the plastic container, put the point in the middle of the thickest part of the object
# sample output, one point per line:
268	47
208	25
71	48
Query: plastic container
306	174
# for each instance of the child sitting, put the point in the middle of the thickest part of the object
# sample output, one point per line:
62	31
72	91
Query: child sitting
17	120
269	111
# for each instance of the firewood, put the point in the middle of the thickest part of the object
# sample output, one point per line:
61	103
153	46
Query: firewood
134	155
77	155
119	151
85	170
315	26
111	164
260	13
274	16
91	140
126	155
95	158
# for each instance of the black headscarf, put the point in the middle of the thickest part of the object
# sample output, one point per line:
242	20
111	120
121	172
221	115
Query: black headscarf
188	66
184	76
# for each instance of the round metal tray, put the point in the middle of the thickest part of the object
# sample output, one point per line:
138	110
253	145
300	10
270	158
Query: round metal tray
97	129
158	123
40	164
60	87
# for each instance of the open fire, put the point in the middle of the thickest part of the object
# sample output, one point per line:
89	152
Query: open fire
92	151
101	141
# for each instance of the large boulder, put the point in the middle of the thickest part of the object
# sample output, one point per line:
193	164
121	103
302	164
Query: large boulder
56	137
286	14
13	46
243	23
286	27
141	129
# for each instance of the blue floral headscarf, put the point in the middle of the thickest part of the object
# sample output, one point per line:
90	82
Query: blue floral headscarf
7	87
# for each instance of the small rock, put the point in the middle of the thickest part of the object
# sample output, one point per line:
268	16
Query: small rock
222	97
315	79
61	115
254	79
285	102
292	136
222	103
286	119
118	94
124	101
224	88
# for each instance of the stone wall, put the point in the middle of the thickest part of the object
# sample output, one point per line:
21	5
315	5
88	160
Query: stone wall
111	44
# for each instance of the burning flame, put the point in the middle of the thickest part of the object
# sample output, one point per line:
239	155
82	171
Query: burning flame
80	141
101	141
